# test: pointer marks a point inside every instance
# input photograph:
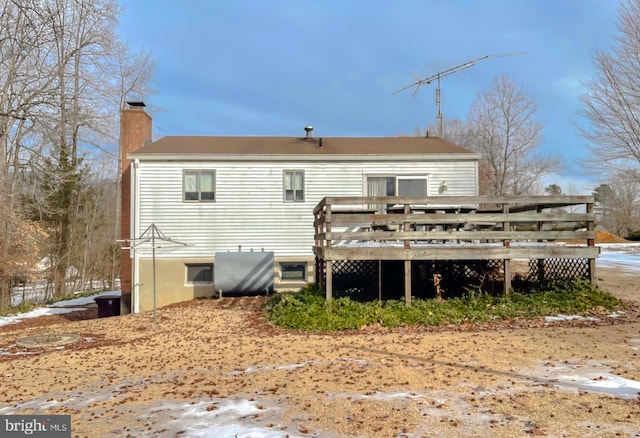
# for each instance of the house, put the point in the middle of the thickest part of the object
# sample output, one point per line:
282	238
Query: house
219	194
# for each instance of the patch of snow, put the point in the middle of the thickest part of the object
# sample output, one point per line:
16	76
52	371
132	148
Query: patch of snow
569	318
251	416
229	417
623	257
82	301
591	377
54	309
5	351
604	382
35	313
257	368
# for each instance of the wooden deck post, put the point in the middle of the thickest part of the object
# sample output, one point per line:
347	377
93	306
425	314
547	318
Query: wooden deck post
591	242
320	272
506	226
329	282
540	227
407	282
328	263
406	225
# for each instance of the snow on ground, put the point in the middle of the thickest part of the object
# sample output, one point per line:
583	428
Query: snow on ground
59	307
83	301
624	257
594	376
250	417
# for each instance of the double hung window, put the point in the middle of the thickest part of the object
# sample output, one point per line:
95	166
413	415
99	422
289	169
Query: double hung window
293	185
199	185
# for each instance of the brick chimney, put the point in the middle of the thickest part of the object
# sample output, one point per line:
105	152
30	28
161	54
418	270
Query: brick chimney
135	131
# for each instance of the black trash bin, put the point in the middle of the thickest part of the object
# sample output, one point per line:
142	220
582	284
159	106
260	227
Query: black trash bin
108	305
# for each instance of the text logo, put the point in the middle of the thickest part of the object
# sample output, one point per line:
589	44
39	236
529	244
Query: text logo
35	426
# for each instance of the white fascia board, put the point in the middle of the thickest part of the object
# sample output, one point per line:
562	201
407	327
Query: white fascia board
304	157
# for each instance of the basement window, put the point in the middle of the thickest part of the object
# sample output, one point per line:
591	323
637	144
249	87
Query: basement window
199	185
199	273
293	271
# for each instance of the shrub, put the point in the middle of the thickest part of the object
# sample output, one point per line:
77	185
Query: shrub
308	309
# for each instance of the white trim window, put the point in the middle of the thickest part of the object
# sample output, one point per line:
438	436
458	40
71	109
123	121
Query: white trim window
381	185
199	185
401	185
293	185
293	271
415	186
199	273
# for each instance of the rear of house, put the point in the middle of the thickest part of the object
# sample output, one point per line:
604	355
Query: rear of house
229	194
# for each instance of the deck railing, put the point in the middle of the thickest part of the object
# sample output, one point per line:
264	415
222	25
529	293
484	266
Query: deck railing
455	228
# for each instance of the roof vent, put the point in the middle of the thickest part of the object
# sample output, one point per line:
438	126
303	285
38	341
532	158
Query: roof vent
135	104
308	130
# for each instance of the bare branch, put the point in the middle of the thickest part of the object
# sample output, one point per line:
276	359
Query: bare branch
507	136
612	100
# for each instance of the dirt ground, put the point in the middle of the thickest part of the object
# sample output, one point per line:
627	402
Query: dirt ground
133	376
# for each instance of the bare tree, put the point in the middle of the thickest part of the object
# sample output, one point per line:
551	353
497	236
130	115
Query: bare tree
134	74
83	39
508	136
619	202
63	78
612	101
26	84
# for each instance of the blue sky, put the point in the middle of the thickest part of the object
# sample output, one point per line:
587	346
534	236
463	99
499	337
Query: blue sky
257	67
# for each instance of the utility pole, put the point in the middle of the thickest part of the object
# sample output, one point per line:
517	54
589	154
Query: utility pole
436	77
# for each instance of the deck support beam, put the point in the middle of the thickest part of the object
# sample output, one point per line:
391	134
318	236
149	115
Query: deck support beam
506	226
591	242
407	282
329	285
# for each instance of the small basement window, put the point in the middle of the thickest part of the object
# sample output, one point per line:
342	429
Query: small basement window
199	273
293	271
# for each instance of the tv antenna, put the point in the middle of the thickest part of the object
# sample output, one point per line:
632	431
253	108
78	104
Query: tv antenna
436	77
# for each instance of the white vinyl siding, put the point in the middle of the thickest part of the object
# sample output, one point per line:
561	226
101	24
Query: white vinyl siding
249	212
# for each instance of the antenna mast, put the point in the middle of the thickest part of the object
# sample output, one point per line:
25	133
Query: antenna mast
436	77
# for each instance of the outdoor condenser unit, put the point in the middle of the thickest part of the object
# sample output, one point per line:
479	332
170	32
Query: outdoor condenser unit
244	272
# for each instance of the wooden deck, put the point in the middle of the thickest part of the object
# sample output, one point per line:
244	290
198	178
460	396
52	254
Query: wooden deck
453	228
